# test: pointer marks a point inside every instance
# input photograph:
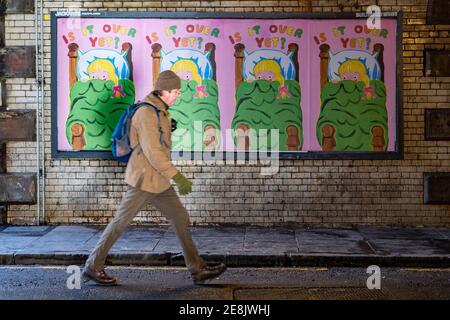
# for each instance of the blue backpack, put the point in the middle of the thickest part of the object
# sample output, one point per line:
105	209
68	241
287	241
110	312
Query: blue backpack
121	146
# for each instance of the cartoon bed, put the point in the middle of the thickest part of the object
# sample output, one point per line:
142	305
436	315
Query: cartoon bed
267	97
196	112
101	88
353	115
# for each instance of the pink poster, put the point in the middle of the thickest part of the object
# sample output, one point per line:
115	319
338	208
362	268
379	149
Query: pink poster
322	85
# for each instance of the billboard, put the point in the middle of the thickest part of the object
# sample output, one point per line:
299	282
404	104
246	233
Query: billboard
304	85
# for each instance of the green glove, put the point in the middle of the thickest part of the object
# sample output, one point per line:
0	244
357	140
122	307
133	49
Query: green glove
183	184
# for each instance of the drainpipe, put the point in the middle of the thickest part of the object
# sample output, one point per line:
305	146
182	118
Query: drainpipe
42	114
38	152
40	134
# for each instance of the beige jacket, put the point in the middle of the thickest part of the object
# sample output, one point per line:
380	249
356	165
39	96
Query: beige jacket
149	167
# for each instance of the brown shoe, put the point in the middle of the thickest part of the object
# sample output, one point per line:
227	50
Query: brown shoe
100	277
208	272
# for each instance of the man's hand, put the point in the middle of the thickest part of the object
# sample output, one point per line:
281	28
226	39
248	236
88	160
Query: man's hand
183	184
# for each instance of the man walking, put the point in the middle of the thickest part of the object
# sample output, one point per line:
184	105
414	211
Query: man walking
148	176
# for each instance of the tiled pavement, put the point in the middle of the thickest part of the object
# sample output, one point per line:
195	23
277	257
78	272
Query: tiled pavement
237	246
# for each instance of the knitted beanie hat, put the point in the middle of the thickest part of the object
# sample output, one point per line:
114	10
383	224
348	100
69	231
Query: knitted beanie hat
167	80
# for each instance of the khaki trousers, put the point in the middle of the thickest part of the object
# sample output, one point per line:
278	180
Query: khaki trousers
134	201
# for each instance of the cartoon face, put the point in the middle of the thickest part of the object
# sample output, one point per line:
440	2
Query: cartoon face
101	75
184	75
265	75
353	76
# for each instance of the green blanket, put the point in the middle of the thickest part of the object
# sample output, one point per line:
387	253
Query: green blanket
259	107
92	105
188	109
344	106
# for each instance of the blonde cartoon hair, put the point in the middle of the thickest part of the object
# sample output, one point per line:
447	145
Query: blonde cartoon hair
352	66
270	65
104	65
187	65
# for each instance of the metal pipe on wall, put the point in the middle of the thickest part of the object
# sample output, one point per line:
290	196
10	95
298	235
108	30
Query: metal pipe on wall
38	153
40	133
42	112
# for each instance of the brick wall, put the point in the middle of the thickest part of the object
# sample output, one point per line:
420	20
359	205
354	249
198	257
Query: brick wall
309	192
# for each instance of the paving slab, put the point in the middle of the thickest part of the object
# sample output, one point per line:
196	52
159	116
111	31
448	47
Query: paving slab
168	244
11	244
328	234
138	239
225	232
138	258
402	233
222	239
337	246
27	231
204	239
60	240
14	238
407	247
199	233
270	241
333	241
219	245
445	233
276	234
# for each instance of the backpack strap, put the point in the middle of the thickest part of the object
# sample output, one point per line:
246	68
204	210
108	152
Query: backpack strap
140	104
